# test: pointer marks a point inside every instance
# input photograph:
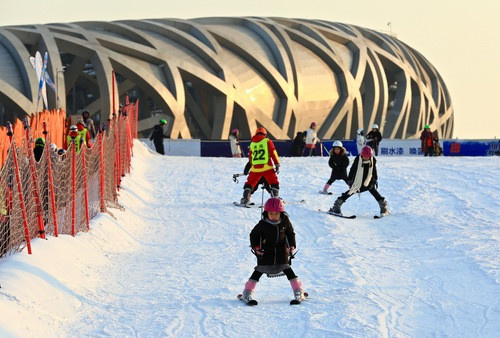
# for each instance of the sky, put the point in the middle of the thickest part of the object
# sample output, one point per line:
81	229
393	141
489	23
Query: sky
459	38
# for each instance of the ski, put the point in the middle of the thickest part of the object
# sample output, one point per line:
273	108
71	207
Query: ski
325	193
342	216
251	302
248	205
338	215
294	202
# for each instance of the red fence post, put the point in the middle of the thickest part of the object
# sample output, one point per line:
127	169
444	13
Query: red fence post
19	188
117	153
31	159
102	171
51	182
85	190
73	187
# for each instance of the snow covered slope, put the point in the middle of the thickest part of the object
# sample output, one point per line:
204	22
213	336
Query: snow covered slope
173	260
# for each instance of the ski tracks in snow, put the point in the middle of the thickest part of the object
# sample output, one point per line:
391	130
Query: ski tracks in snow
424	270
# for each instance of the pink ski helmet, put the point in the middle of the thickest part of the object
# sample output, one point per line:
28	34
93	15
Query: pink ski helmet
366	152
274	204
313	124
234	131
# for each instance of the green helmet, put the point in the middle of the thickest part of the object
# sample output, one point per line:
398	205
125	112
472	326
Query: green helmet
163	121
40	141
427	127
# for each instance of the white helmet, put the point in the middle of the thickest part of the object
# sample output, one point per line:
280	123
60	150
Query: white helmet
360	130
53	147
337	144
375	126
73	127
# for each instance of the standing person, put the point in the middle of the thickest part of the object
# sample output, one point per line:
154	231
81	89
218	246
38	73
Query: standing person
298	144
262	155
311	140
374	137
362	177
338	162
427	139
84	134
89	124
360	139
273	242
234	140
158	135
73	136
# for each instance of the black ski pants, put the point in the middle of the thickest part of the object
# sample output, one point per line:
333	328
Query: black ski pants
373	190
288	272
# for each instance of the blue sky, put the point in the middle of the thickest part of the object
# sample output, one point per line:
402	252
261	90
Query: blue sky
460	38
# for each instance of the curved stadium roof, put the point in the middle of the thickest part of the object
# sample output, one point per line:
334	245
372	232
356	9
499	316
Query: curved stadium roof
209	75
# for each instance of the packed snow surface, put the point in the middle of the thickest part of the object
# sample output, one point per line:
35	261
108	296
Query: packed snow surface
172	261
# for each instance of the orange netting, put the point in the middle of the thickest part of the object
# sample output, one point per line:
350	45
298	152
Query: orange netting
59	193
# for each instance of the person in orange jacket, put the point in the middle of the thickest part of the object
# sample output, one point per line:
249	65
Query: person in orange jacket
265	163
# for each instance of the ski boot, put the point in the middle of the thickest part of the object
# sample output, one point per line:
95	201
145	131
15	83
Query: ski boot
336	207
298	293
325	189
383	207
246	196
246	296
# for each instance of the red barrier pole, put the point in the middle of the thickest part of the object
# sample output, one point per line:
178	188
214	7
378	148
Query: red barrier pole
113	90
36	192
102	175
51	182
117	155
119	144
19	188
73	187
85	190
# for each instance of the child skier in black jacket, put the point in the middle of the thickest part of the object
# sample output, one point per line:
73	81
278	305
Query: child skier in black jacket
338	162
273	242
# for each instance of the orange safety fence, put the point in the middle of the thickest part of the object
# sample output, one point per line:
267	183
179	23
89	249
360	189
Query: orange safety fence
59	194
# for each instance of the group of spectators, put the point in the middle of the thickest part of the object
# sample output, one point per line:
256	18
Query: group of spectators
82	133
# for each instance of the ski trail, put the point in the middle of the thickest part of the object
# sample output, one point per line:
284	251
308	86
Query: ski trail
173	260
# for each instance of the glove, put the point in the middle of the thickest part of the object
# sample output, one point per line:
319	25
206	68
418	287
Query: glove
277	168
258	250
349	183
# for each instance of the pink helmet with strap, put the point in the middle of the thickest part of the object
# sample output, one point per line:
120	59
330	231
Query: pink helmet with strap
274	204
366	152
234	131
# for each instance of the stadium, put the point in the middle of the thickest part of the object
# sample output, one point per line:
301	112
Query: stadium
207	76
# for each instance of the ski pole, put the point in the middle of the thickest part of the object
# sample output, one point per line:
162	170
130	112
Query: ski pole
325	149
262	203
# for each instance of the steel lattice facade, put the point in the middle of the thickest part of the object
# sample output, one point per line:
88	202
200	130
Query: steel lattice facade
209	75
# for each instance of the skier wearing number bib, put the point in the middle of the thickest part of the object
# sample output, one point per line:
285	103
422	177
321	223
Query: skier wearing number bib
265	163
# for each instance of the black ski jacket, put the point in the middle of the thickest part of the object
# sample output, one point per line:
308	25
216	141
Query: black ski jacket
274	240
374	137
157	136
339	164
